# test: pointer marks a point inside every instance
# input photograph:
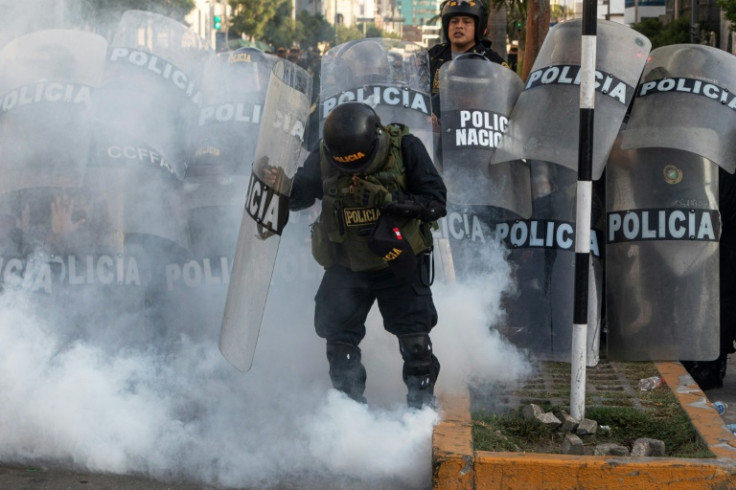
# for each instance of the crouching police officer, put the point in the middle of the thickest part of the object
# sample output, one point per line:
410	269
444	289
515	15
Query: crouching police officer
380	193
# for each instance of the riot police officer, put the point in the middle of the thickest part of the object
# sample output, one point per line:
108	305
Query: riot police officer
464	23
380	191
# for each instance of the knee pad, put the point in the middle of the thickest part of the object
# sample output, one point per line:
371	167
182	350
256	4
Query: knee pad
416	350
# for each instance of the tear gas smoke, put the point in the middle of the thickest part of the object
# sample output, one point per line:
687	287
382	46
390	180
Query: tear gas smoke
108	349
183	412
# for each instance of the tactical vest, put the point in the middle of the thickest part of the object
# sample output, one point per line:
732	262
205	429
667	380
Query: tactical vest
340	235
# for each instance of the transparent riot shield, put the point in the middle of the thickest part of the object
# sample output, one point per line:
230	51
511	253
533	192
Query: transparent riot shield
662	263
686	100
46	82
65	243
390	75
476	98
542	253
141	113
544	124
149	94
278	154
223	144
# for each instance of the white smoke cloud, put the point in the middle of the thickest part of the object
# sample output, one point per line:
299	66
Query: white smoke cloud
121	383
183	412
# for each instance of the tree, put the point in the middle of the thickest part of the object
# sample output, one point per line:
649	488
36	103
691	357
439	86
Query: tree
675	32
282	31
345	33
497	30
316	29
250	17
729	11
537	27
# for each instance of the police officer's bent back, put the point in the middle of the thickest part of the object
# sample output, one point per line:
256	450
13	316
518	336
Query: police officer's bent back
363	169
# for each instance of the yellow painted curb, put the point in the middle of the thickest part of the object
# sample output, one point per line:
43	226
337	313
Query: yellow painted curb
455	465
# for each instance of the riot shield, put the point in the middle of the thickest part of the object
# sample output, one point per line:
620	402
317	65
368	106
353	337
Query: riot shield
544	124
542	254
390	75
149	94
662	274
476	98
279	152
62	236
46	82
686	101
224	138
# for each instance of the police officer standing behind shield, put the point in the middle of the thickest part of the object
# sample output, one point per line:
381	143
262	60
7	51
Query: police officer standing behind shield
464	23
380	191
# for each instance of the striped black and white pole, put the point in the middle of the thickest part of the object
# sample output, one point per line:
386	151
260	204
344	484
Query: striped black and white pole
583	210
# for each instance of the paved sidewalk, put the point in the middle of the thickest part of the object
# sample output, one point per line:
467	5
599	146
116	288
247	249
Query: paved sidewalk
727	393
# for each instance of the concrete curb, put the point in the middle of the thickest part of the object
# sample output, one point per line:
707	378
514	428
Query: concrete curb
455	465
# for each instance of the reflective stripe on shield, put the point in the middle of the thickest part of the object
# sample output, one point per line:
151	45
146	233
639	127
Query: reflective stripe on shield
545	120
476	98
278	154
542	251
48	78
687	100
662	263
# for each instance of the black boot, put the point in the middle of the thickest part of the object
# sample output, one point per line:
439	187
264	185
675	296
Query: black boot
346	370
708	374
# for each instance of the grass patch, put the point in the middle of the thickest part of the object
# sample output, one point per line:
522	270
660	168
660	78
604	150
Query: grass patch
655	414
512	432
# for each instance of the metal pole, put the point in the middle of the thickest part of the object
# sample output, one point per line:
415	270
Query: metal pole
693	21
583	209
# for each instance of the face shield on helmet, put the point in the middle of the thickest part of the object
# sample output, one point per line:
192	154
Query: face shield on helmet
354	140
471	8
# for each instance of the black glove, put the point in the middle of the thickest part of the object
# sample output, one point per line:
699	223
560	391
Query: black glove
369	191
412	209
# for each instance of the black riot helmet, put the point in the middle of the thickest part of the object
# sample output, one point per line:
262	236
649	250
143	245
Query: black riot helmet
471	8
353	138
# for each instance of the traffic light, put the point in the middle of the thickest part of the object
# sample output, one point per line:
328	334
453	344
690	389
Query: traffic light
217	22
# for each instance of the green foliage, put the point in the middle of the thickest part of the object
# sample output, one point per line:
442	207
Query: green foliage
729	11
345	33
669	423
281	31
676	32
250	17
315	29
